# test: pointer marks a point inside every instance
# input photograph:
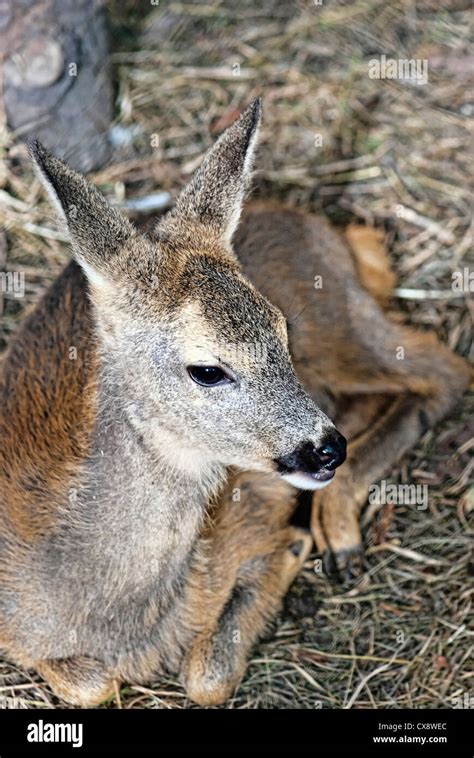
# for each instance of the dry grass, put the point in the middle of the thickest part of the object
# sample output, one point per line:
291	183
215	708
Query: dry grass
394	155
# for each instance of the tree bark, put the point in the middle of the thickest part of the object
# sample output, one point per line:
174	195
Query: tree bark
56	81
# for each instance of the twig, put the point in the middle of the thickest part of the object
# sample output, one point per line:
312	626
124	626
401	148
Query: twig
404	293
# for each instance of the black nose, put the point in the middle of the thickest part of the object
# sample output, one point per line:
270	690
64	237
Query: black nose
333	452
309	459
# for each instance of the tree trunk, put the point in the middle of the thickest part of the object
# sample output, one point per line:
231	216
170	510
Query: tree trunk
57	84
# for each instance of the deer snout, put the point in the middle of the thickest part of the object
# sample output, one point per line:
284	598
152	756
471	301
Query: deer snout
333	452
310	466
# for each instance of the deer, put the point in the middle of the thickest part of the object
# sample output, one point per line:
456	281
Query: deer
163	414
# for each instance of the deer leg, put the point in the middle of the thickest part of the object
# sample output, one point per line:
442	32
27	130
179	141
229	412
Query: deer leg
80	681
217	660
336	510
433	379
252	556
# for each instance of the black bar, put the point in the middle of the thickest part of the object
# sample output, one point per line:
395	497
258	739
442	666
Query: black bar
321	732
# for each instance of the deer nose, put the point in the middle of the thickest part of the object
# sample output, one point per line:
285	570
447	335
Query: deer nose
332	453
312	460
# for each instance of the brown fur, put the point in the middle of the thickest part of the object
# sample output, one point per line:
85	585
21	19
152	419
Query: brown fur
51	400
122	550
345	351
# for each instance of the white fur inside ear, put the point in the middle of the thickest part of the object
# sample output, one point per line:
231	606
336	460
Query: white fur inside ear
54	200
232	225
250	154
93	276
234	219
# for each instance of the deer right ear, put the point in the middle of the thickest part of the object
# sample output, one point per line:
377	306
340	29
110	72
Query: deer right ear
96	230
213	198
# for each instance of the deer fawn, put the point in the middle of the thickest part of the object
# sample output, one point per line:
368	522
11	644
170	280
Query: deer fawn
154	433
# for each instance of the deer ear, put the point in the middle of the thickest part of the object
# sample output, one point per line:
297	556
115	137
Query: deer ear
215	194
96	230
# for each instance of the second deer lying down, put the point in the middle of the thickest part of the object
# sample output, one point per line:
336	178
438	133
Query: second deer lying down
151	368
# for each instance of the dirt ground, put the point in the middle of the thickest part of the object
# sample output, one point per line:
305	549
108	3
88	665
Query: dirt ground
390	153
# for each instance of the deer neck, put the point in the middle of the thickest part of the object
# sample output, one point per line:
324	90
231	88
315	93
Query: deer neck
147	497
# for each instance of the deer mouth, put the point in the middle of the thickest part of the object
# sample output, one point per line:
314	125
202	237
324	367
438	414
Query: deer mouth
311	467
309	481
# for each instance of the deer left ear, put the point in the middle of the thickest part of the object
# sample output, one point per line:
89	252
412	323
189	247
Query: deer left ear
96	230
215	194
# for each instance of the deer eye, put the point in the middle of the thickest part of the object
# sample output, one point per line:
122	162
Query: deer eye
208	376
